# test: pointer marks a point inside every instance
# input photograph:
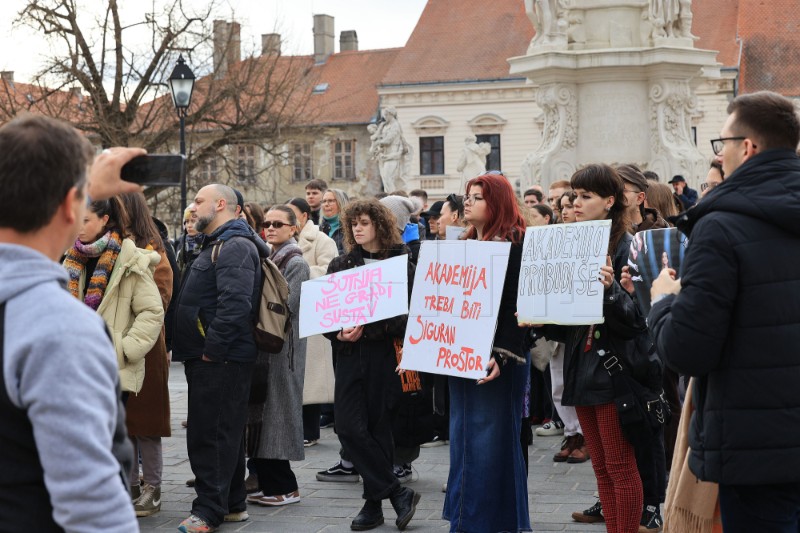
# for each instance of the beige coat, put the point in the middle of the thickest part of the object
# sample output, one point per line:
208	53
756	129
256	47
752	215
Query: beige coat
132	310
318	250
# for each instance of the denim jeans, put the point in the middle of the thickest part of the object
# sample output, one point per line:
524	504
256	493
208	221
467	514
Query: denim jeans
762	508
487	489
218	395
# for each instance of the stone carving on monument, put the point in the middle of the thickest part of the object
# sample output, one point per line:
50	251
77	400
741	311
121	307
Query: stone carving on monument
473	160
616	83
390	149
554	158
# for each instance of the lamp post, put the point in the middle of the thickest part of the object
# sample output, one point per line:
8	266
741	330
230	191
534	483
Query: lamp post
181	84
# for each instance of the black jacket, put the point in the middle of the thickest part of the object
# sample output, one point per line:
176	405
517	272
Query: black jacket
218	302
623	334
736	324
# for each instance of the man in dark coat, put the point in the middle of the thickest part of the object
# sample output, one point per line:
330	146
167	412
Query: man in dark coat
733	319
683	192
214	338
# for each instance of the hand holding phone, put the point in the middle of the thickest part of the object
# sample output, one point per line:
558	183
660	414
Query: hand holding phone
155	170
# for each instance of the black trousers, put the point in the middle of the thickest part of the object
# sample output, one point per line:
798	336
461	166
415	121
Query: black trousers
218	394
651	463
363	422
275	476
311	414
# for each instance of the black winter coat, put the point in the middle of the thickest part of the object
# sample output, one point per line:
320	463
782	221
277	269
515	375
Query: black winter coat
623	333
735	325
218	301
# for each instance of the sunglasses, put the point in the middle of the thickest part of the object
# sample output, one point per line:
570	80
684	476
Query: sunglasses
277	224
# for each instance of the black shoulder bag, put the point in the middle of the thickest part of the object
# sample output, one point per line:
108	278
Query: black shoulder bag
642	412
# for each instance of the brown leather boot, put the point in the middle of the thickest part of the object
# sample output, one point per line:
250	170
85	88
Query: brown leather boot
579	453
567	445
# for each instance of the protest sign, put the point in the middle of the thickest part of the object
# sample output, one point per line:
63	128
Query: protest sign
651	252
454	306
558	278
354	297
452	233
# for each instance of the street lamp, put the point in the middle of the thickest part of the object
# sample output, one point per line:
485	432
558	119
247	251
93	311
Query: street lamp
181	84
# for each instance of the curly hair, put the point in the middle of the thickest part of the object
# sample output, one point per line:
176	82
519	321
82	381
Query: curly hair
386	232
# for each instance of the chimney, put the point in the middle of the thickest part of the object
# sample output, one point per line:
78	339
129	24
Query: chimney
7	75
348	41
324	37
270	44
227	46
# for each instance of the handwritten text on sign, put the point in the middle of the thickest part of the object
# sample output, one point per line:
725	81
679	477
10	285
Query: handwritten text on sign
454	305
558	281
354	297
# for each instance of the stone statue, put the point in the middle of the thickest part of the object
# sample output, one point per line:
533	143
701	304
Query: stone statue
550	20
473	159
671	19
391	150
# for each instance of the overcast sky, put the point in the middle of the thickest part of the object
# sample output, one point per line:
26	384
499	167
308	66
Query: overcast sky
379	24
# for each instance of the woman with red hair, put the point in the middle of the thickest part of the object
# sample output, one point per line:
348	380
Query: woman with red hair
487	489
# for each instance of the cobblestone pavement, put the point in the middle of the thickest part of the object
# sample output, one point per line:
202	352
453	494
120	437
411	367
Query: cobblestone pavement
555	489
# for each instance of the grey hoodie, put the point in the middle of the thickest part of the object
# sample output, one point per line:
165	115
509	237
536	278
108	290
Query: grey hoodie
60	367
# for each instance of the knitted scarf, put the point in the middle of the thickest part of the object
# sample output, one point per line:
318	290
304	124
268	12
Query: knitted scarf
107	249
333	224
283	253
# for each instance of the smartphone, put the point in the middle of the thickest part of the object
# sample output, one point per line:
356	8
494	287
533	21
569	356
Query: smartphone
155	170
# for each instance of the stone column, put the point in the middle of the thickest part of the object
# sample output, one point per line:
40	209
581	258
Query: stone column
620	89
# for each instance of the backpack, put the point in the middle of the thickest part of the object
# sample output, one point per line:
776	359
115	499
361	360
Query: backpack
273	321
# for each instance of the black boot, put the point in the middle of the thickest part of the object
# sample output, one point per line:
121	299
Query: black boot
369	517
404	501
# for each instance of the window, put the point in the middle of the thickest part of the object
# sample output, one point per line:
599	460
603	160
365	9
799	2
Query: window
301	156
493	159
246	162
344	153
208	171
431	155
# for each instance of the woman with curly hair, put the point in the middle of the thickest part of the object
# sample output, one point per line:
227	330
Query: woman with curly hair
487	489
366	360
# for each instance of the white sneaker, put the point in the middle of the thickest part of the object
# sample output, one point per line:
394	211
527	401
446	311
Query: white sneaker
550	429
278	500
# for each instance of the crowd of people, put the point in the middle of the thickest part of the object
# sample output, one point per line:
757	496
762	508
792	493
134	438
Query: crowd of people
85	401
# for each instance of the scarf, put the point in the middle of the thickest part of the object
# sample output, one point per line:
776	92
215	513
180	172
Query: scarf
692	505
333	224
107	249
281	255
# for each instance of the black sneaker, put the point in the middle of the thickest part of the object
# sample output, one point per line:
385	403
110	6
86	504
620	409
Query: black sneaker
651	520
339	473
592	515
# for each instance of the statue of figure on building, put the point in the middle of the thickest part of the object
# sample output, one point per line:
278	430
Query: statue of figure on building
391	150
473	160
550	20
671	19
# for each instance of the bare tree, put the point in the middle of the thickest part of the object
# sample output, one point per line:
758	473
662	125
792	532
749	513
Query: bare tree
111	83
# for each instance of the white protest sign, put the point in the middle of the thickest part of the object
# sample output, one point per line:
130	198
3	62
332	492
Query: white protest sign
454	305
452	233
558	278
354	297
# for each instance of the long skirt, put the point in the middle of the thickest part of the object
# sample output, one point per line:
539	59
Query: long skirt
487	489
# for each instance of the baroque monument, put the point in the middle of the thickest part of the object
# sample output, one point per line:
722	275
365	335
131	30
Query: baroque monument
616	82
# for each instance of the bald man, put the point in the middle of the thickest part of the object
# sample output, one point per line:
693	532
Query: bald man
214	339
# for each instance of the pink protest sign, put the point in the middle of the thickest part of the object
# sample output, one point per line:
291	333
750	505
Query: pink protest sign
354	297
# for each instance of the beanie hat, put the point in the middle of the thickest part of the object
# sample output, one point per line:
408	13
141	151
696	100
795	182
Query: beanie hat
401	208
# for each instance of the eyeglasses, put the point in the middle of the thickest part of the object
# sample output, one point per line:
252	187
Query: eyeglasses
630	191
277	224
328	201
471	199
718	144
704	186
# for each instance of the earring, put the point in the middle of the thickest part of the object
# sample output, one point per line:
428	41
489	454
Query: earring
608	208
